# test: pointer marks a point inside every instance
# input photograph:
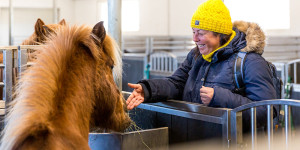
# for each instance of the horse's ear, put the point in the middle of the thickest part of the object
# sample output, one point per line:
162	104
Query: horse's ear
62	22
48	29
99	31
38	28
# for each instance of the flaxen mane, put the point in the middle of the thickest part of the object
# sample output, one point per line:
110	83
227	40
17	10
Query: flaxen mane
68	89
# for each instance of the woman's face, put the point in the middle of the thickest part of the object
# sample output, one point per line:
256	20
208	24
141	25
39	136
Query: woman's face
205	40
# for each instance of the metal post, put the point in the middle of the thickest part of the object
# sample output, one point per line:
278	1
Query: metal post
253	128
226	129
11	18
270	126
114	25
7	76
284	79
236	129
22	60
287	119
55	14
295	73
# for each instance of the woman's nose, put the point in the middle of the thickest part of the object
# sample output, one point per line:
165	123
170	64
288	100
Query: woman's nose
195	38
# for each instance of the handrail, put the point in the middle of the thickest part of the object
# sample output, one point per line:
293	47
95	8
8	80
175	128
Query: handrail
34	47
293	61
267	102
193	111
236	135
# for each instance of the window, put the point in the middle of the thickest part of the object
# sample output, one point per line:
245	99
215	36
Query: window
130	15
269	14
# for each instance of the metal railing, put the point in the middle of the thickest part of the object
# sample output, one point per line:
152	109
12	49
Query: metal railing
163	62
7	69
151	44
9	75
236	123
278	49
194	111
177	47
24	57
291	79
282	49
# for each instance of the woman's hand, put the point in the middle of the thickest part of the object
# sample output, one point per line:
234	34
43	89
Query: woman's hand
206	94
136	97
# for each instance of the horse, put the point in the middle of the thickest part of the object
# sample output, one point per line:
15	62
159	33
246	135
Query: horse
42	31
39	36
69	89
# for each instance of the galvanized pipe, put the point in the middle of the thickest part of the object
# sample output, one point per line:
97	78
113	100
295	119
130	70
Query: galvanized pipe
270	126
7	76
253	128
287	103
287	119
10	26
114	25
115	20
295	72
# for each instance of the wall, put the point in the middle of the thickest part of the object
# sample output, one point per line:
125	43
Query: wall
153	18
25	15
66	10
171	17
181	13
294	22
85	12
157	17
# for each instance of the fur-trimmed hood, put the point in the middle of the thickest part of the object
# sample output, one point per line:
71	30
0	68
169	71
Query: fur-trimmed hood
255	36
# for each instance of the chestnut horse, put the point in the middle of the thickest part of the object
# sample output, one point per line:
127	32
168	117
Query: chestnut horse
39	36
69	88
42	31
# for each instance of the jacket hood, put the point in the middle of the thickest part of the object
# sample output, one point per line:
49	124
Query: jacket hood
255	36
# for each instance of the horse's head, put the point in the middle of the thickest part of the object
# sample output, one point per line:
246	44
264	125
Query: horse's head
42	31
109	111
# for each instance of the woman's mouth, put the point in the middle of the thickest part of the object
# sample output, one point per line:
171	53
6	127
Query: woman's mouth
201	45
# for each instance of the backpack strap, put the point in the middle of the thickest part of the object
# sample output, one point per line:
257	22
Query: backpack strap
238	72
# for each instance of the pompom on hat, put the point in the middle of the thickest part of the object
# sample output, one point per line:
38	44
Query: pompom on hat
212	15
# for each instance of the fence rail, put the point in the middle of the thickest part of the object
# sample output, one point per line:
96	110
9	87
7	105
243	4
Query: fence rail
236	133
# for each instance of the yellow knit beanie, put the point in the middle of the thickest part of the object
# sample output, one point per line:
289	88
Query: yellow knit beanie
212	15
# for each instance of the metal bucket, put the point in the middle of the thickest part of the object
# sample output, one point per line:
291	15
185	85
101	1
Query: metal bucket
154	139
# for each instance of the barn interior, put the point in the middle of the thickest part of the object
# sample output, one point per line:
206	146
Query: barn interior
155	37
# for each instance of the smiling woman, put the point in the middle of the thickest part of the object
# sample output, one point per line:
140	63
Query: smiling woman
206	75
206	41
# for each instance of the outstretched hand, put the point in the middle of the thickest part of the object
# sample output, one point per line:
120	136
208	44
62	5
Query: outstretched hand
136	97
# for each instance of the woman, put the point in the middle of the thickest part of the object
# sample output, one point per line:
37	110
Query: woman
206	75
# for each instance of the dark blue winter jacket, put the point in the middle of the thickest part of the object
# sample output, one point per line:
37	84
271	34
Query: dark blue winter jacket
187	80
